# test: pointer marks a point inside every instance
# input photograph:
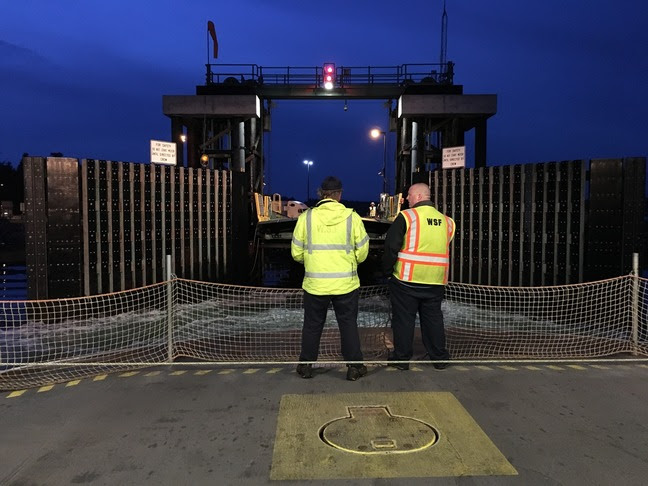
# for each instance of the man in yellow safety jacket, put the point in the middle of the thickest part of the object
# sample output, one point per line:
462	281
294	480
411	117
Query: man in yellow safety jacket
330	240
417	257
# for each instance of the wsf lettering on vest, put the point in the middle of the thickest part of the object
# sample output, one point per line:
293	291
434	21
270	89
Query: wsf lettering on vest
433	222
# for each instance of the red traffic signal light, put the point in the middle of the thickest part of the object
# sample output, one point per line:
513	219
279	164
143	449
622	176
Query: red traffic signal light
328	75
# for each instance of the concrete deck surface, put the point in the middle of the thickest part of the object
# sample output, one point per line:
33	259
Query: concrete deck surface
584	424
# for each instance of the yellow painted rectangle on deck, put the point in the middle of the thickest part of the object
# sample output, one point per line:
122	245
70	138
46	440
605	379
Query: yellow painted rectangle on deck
462	448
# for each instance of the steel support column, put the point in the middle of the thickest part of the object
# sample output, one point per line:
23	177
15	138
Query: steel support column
480	144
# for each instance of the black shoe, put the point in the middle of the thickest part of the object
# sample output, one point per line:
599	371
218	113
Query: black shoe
305	370
400	366
441	366
356	371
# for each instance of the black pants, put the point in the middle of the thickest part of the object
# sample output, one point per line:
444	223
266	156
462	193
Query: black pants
346	314
406	302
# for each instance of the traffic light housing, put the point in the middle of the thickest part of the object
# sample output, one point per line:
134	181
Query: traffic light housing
328	75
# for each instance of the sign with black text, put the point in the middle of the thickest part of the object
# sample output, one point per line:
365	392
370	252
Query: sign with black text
454	157
163	152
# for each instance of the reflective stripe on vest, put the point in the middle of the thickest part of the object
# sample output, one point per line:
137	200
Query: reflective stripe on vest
297	243
330	274
324	246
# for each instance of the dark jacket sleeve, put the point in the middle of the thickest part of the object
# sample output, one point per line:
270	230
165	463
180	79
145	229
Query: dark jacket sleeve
393	244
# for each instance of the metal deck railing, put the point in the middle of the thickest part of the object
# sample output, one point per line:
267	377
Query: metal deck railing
433	73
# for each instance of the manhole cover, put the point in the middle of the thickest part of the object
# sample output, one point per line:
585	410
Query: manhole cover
375	430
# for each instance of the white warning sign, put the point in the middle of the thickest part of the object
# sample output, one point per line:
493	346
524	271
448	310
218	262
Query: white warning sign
454	157
163	152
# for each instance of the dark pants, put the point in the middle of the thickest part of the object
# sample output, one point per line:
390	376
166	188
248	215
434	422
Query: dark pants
406	302
346	314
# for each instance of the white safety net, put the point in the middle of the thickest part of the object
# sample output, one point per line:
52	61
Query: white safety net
186	321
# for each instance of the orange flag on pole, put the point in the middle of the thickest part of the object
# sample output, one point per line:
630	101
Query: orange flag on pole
212	32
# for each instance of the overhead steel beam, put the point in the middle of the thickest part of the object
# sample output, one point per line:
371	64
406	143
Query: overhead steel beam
226	106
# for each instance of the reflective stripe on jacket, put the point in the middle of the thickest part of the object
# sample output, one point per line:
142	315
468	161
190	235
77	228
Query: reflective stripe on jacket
425	254
330	240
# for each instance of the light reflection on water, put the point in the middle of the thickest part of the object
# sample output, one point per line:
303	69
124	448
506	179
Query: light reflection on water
13	281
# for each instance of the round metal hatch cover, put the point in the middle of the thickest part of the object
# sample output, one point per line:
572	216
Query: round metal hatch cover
375	430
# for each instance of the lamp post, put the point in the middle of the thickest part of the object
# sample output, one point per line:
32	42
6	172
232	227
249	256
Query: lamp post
308	164
376	133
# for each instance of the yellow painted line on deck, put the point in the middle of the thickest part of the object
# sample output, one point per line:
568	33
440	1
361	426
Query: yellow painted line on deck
153	373
554	367
45	388
225	372
643	366
600	367
483	367
16	393
533	368
72	383
416	368
461	368
202	372
508	368
100	377
250	371
273	370
129	374
178	373
576	367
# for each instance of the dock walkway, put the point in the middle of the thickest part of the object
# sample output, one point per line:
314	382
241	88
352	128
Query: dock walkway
553	424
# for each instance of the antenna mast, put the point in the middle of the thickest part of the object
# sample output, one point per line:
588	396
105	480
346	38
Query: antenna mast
444	40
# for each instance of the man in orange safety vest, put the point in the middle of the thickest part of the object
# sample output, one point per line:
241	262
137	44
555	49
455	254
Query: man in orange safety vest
417	258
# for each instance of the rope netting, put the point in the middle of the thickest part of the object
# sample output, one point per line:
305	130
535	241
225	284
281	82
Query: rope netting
181	320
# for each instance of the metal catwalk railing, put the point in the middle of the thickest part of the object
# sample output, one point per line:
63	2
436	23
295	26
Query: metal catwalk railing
344	75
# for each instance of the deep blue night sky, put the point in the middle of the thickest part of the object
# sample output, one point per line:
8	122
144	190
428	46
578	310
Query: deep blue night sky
87	78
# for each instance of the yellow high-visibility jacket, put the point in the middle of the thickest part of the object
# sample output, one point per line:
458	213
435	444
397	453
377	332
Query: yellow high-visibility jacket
330	240
424	256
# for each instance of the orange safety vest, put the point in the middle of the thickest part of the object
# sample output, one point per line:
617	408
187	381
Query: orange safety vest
425	255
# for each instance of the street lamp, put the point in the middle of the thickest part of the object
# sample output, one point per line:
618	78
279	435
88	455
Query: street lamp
376	133
308	164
